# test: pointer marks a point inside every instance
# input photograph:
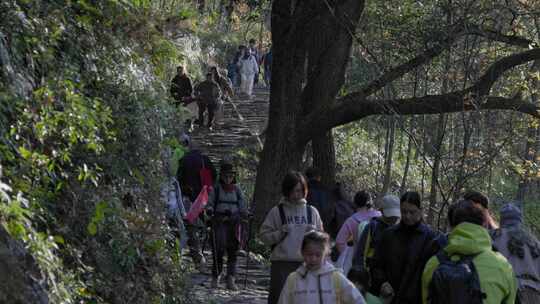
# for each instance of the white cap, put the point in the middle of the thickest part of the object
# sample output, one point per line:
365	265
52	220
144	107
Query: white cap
390	206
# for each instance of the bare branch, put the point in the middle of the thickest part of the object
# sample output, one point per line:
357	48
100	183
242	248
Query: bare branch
497	36
435	50
355	106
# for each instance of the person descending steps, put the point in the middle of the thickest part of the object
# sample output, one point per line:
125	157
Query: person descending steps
227	206
207	94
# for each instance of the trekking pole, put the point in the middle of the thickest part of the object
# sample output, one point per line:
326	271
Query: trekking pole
205	240
214	249
250	221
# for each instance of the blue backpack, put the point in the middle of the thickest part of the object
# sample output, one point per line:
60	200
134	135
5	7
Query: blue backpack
455	282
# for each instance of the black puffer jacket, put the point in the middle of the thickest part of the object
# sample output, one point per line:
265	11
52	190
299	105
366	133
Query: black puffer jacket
400	257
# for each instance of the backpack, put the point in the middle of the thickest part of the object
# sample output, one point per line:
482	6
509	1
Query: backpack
455	282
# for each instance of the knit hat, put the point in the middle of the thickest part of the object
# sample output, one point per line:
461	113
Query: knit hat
390	206
510	215
226	168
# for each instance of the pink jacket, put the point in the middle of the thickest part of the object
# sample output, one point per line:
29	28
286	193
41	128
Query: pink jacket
349	229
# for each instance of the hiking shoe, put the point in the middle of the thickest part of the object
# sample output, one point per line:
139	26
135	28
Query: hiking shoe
200	267
231	285
215	282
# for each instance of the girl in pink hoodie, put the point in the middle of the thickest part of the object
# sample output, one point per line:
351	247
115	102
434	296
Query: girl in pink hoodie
364	212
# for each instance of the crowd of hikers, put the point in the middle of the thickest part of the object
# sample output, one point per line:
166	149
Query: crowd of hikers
383	252
387	254
326	248
209	95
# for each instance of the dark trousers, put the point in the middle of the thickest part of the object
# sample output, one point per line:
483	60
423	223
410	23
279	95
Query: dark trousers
194	235
203	107
224	233
279	271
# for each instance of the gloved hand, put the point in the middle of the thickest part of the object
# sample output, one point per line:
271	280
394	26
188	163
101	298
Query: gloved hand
210	211
244	214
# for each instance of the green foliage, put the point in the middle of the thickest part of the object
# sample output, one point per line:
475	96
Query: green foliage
16	217
84	148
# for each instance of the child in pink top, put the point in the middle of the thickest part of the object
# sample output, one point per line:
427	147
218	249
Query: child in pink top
364	212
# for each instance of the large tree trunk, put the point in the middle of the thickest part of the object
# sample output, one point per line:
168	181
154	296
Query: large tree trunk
311	46
324	158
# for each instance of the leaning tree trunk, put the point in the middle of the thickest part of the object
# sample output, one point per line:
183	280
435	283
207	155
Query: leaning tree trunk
311	43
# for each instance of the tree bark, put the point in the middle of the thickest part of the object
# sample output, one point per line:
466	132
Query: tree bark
324	158
531	142
311	47
389	152
437	153
403	186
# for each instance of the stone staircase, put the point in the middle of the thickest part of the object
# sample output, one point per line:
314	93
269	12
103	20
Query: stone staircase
242	123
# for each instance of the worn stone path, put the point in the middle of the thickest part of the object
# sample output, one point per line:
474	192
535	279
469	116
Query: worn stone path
242	123
252	291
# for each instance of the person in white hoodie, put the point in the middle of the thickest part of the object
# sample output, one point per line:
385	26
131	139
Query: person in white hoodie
248	67
317	280
284	228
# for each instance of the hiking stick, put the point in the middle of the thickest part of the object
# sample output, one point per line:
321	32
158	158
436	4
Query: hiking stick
214	248
250	221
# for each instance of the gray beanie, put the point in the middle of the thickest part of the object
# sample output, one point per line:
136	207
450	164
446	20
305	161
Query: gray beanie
510	215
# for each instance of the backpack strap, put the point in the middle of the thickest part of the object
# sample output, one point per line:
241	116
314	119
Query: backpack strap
291	286
309	214
367	247
216	197
442	256
218	201
282	214
359	229
337	286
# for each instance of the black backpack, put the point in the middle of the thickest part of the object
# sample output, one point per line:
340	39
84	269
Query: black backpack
455	282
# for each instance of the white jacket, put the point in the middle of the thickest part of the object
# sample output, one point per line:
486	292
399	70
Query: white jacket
248	66
327	285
